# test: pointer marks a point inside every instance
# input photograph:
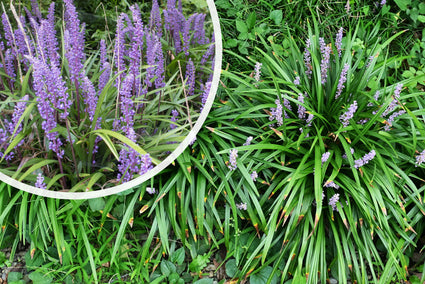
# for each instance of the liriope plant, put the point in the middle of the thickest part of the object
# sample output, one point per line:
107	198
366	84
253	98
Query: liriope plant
321	156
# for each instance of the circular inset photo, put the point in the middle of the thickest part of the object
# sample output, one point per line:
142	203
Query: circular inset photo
94	103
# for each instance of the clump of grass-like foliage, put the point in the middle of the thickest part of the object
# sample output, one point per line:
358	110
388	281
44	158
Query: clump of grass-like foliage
326	171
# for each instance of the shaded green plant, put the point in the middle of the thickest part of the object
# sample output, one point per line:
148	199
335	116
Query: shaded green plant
333	150
414	10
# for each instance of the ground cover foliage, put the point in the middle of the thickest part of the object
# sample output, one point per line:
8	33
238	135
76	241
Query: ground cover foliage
309	166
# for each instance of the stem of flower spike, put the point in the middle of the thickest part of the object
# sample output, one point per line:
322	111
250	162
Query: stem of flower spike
62	179
185	94
72	147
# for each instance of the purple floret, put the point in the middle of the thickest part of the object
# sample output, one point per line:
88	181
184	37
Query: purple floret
232	159
342	80
338	41
366	159
74	40
301	108
40	182
248	141
174	114
254	175
333	201
420	159
276	113
349	114
190	77
325	157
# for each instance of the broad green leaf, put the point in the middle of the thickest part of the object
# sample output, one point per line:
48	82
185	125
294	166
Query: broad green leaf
231	43
263	276
14	276
97	204
276	16
231	268
178	256
199	263
402	4
241	26
167	267
40	278
250	21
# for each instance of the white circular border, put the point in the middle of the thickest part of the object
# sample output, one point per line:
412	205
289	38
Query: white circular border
190	137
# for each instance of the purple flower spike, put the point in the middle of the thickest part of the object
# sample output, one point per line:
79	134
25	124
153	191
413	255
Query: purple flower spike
309	119
254	175
155	19
297	80
127	109
8	34
276	113
105	67
146	164
347	7
333	201
52	42
330	183
349	114
342	80
205	94
17	113
40	182
136	48
257	71
74	40
420	159
199	28
130	162
232	159
35	9
369	156
307	59
10	66
338	41
325	157
159	70
390	120
190	77
150	190
242	206
90	98
209	54
248	141
120	49
325	50
301	109
394	102
187	27
174	113
41	75
366	159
